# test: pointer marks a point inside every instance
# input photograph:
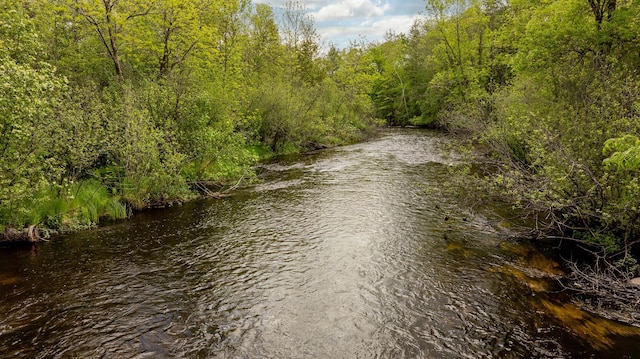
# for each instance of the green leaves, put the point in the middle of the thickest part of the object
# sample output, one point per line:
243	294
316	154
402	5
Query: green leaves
623	153
160	94
29	99
18	38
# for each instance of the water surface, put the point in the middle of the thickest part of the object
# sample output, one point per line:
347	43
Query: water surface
353	252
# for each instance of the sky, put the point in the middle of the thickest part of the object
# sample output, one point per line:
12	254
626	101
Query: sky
340	21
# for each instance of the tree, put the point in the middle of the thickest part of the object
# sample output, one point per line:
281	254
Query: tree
602	9
30	96
573	90
180	29
109	19
301	40
390	91
139	99
264	50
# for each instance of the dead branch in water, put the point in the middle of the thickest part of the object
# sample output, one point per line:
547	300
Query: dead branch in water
234	186
202	187
606	291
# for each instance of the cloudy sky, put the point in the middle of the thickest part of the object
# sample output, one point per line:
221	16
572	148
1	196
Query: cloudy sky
339	21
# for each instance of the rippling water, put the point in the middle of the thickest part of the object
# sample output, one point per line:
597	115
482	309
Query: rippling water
352	252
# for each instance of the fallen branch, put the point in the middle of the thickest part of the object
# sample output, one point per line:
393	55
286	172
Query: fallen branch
604	292
209	193
234	186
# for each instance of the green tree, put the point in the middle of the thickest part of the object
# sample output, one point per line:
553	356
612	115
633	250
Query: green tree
573	90
111	19
32	116
301	40
391	90
264	50
137	101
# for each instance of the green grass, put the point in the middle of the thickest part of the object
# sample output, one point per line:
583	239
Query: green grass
72	205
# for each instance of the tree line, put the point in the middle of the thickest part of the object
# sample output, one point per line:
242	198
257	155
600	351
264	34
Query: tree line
113	105
107	106
548	92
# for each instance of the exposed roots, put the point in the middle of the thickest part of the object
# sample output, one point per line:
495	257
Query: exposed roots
11	236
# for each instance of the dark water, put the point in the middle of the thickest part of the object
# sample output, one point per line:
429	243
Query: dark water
353	252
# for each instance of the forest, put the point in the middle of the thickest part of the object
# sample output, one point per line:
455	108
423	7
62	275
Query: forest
547	95
110	106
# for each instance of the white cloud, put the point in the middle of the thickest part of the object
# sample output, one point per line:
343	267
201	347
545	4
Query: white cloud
401	23
351	9
340	21
371	30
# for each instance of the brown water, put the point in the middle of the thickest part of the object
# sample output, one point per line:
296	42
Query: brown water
348	253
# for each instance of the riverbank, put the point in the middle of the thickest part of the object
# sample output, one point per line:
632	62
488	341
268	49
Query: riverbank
340	253
601	291
601	270
600	288
74	206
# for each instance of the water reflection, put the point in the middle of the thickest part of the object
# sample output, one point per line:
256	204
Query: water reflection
342	254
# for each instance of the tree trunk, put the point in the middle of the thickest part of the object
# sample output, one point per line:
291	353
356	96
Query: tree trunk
602	9
111	30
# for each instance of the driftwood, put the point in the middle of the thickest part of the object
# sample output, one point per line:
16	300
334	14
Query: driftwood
203	187
605	292
11	236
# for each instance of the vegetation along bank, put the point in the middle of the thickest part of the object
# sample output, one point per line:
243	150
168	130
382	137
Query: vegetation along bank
549	93
112	106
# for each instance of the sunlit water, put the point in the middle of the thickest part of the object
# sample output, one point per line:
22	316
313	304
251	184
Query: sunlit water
353	252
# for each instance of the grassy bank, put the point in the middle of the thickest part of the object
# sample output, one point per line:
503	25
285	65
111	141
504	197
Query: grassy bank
76	205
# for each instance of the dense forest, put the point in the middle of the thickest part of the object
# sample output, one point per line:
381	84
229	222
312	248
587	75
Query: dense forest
549	93
108	106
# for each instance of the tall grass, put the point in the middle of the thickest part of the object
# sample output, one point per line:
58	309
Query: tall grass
155	190
73	205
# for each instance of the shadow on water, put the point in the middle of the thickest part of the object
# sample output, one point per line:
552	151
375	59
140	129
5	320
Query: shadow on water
338	254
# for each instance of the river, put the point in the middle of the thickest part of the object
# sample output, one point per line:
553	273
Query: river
351	252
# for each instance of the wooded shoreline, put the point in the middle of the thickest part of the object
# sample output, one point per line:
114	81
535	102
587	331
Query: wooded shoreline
108	106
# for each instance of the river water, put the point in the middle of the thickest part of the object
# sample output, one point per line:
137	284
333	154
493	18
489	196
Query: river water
352	252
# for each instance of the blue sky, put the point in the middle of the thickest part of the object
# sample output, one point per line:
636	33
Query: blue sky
339	21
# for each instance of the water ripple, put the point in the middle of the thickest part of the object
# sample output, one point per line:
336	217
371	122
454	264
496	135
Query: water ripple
341	254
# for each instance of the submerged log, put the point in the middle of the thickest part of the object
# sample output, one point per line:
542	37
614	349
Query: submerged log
14	236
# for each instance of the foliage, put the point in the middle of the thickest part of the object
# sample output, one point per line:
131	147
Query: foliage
623	152
548	90
29	107
571	96
70	205
139	101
